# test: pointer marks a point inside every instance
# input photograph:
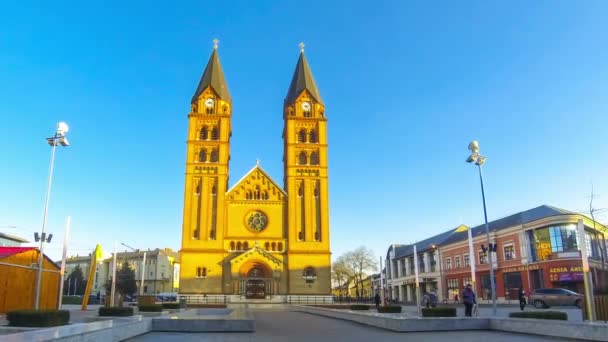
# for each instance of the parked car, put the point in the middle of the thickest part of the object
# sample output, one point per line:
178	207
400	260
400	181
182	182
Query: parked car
544	298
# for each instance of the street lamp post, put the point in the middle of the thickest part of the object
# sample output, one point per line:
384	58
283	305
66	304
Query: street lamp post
57	139
479	160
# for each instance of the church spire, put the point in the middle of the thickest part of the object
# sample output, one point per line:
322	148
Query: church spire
213	76
302	80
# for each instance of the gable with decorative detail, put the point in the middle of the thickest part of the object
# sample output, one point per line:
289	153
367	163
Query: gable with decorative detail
256	185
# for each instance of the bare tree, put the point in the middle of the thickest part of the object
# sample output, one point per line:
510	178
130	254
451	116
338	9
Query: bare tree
358	263
593	211
340	273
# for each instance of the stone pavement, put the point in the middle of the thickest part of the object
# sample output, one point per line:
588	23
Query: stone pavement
283	325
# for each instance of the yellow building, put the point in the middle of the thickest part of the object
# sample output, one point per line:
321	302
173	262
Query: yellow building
256	239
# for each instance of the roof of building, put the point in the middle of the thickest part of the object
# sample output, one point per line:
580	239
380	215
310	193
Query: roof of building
213	76
149	253
13	238
460	233
8	251
302	80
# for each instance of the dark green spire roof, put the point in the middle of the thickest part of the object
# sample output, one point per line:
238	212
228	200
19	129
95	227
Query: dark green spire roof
214	77
302	80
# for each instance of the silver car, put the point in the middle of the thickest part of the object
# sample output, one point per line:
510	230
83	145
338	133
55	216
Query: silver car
544	298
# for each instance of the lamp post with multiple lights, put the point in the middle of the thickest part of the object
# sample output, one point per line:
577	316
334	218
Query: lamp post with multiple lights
479	160
58	139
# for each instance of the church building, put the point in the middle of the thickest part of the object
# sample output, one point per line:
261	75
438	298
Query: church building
256	239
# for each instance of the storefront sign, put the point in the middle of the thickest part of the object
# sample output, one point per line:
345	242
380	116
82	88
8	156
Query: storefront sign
566	274
521	268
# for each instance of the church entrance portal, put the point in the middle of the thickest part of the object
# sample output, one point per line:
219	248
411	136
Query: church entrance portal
255	286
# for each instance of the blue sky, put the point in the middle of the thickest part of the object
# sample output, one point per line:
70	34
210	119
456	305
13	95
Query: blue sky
407	85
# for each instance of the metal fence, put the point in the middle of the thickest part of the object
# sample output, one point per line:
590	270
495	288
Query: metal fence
310	300
203	299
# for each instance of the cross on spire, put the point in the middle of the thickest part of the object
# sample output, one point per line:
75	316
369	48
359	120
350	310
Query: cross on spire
215	42
301	45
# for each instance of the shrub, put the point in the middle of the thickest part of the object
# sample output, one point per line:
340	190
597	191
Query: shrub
115	311
359	307
38	318
150	308
170	305
540	315
439	312
71	300
389	309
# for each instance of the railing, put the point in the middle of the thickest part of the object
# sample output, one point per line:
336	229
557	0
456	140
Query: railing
310	300
204	299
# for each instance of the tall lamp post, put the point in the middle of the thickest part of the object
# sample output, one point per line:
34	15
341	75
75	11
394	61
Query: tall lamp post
57	139
479	160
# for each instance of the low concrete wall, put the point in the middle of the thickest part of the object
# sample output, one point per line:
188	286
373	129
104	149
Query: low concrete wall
553	328
402	323
110	330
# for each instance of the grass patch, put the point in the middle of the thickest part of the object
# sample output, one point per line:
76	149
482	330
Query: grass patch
359	307
540	315
150	307
439	312
116	311
71	300
38	318
389	309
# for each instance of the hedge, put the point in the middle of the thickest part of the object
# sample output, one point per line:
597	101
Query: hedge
38	318
359	307
540	315
71	300
389	309
116	311
170	306
150	308
439	312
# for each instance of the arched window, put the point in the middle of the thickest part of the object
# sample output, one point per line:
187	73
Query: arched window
214	156
210	110
312	136
202	156
203	134
245	245
308	113
214	133
302	136
314	158
248	195
302	158
309	275
232	245
213	190
280	246
267	245
238	246
204	272
265	195
301	190
316	191
201	272
225	109
274	246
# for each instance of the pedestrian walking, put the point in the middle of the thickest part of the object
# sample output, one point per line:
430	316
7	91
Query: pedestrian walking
468	298
522	298
433	298
377	300
426	300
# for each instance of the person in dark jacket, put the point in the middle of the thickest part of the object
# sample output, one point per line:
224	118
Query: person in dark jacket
377	300
522	298
468	298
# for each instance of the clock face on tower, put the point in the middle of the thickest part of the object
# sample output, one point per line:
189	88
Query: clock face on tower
256	220
209	103
306	106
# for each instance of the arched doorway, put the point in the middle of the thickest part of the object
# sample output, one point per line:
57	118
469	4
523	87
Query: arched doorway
255	286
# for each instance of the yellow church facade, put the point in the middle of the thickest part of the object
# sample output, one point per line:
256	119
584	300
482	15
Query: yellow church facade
256	239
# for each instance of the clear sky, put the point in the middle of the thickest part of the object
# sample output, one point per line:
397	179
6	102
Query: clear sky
407	86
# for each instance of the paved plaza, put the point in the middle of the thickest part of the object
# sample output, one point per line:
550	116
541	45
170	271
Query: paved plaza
283	325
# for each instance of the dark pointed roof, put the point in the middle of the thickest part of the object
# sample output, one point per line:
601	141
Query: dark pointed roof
302	80
213	76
